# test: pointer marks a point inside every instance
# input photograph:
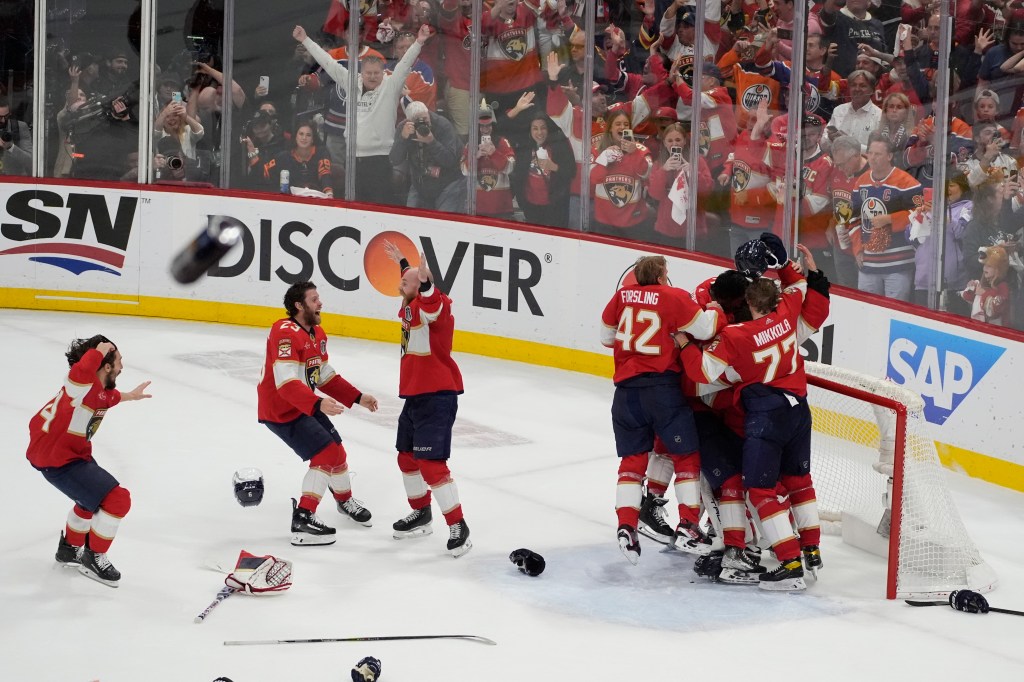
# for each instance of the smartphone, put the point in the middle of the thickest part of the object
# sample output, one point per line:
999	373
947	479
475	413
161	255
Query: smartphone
485	139
265	82
676	152
542	154
176	97
785	33
627	135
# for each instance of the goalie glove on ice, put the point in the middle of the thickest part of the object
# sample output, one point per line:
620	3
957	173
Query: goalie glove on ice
528	562
969	601
366	670
258	575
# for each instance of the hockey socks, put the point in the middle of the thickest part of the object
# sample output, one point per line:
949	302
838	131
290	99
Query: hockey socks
805	508
436	474
774	517
79	521
659	471
416	489
687	486
733	511
104	524
628	492
328	468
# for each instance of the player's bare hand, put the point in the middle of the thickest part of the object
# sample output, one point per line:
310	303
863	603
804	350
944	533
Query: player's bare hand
392	251
425	275
368	401
808	259
331	407
299	33
105	347
137	393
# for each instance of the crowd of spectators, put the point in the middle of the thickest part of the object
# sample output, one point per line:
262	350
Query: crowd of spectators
867	127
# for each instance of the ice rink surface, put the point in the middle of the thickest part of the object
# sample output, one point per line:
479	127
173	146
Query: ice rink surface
535	464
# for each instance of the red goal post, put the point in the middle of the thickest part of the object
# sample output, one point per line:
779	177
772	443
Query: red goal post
879	480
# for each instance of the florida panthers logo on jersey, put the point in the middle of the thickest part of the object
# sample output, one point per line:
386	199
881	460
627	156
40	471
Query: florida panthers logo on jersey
487	180
365	6
620	189
873	207
740	176
842	209
513	43
686	69
753	95
313	373
94	423
467	42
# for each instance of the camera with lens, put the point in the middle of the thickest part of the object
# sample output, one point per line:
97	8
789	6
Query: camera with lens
175	162
422	128
6	136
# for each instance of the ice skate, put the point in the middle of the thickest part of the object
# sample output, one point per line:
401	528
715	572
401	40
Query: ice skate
307	529
629	543
654	519
98	567
738	568
458	539
812	560
353	509
788	577
690	539
68	554
415	524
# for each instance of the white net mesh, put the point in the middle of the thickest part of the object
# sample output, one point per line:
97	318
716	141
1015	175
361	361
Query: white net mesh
854	450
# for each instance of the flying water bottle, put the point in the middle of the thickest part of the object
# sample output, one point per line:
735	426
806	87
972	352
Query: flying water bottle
209	246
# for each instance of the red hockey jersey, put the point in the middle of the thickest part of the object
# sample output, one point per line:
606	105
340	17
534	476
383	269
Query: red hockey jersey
427	330
639	322
61	432
295	366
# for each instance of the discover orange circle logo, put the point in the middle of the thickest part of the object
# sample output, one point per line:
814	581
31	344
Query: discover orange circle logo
380	270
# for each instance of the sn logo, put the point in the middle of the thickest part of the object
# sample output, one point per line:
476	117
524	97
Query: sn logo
925	361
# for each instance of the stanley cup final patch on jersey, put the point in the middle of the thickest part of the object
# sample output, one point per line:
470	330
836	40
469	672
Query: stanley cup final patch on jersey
284	348
407	313
323	346
620	189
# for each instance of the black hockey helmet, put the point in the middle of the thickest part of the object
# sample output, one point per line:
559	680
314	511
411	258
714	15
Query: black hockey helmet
752	258
248	484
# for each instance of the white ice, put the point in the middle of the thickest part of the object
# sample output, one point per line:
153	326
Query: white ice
535	465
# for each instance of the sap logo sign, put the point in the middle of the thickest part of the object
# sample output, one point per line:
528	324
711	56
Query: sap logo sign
942	367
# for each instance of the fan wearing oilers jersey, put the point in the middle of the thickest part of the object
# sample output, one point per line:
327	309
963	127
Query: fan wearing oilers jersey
430	382
638	324
295	367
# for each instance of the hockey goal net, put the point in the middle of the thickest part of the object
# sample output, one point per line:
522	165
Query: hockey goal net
878	477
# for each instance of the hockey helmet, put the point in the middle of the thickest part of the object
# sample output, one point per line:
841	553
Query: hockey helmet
752	258
248	484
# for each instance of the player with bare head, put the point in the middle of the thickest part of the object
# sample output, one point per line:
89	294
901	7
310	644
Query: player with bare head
639	324
295	367
60	448
430	382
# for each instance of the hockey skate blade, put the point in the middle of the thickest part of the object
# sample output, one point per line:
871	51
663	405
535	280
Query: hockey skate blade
689	546
459	551
92	576
305	539
631	556
414	533
733	576
657	537
364	524
788	585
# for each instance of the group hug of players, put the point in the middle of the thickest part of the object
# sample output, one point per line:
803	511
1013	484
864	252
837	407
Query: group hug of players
296	368
710	388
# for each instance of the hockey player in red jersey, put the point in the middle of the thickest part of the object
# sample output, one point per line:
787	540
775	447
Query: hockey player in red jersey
639	323
60	448
762	360
430	382
296	366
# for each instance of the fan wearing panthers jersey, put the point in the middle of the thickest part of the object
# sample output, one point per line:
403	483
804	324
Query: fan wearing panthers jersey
430	382
295	367
761	359
60	448
638	324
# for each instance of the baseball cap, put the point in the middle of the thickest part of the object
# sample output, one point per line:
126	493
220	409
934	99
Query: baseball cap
688	18
712	70
665	112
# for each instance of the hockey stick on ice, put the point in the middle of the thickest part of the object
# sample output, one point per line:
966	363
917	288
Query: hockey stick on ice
946	603
224	593
470	638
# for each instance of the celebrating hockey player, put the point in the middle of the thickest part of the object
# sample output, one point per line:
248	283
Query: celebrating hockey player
60	448
430	382
295	367
772	391
639	323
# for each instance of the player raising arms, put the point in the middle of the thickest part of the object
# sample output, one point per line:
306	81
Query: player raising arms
639	324
60	448
296	366
762	359
430	382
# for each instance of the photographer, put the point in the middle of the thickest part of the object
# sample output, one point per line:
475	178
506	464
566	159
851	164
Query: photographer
15	143
430	146
261	142
105	130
